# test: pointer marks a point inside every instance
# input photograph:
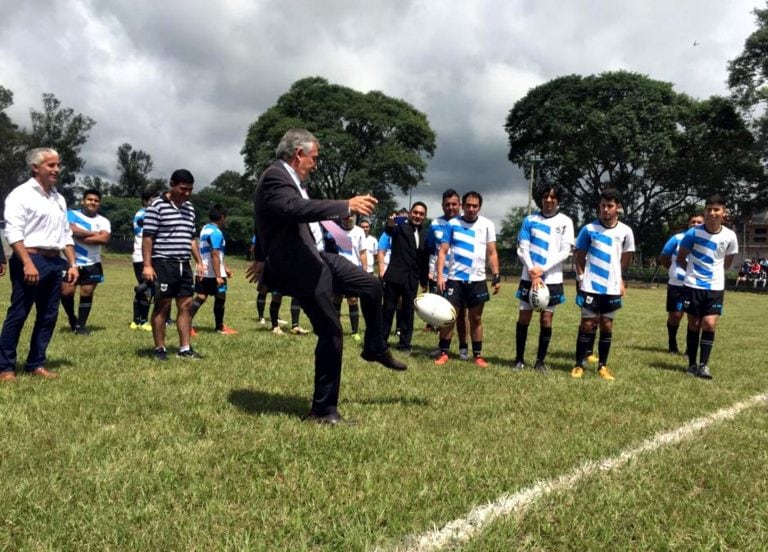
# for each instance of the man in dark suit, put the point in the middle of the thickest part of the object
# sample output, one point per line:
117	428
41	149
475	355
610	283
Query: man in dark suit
408	267
290	244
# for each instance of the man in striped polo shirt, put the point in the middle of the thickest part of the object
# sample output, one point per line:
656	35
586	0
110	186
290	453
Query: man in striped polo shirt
706	251
604	249
168	243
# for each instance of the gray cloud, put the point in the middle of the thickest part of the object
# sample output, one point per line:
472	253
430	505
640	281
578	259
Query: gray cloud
183	80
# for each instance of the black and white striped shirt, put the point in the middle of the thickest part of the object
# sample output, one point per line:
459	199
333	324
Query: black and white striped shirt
172	228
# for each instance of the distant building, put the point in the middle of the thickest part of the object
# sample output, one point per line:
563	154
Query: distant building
752	231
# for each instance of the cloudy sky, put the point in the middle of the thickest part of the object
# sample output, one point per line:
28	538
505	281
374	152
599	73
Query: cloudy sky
182	80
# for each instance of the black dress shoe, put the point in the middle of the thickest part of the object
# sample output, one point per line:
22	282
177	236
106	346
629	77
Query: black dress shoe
328	419
384	358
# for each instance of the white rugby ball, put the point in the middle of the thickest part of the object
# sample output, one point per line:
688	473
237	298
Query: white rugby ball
435	310
539	297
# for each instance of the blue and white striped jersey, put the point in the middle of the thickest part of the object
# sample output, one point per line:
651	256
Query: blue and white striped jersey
212	242
604	247
468	248
671	248
138	233
706	257
86	254
545	242
437	233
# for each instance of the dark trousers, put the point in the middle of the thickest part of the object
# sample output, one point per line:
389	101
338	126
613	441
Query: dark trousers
339	276
45	296
393	292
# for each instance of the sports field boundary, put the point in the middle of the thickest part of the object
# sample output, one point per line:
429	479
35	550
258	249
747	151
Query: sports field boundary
462	530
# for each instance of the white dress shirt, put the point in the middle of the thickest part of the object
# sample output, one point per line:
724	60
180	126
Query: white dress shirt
37	218
314	227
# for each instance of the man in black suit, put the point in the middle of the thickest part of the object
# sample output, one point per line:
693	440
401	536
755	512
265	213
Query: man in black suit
290	244
408	267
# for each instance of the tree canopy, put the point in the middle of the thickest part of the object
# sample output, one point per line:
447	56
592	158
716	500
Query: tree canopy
664	151
65	131
368	142
748	80
12	146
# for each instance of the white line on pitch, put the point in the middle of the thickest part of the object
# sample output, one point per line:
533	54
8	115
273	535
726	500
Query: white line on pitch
461	530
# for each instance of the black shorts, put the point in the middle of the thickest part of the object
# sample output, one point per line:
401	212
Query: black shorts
675	298
90	275
598	303
703	302
466	294
556	293
173	278
208	286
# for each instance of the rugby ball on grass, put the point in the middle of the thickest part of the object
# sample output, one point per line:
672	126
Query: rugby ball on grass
539	297
435	310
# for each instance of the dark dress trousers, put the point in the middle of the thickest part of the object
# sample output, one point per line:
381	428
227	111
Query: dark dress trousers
294	266
408	267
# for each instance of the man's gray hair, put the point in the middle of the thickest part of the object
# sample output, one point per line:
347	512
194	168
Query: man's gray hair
293	139
35	156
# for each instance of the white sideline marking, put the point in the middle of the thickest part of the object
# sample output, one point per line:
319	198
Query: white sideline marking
461	530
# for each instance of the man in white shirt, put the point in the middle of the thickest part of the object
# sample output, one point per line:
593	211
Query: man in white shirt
37	231
90	231
371	245
355	252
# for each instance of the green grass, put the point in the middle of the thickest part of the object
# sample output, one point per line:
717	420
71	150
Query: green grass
122	453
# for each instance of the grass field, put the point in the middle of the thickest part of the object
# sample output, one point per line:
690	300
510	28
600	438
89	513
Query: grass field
122	453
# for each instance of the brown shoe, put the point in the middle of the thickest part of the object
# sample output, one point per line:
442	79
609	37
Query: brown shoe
7	375
43	373
385	359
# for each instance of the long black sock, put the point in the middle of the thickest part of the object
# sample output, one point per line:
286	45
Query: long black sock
445	345
261	303
354	318
295	312
521	335
545	336
692	341
69	307
604	347
218	311
274	310
477	348
84	310
582	344
707	341
137	311
672	334
196	304
591	347
143	309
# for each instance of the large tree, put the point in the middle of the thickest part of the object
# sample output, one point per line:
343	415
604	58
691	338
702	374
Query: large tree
368	142
12	145
233	184
66	132
664	151
133	167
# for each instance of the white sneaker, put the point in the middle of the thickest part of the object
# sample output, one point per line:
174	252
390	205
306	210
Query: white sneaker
463	354
277	331
262	322
298	330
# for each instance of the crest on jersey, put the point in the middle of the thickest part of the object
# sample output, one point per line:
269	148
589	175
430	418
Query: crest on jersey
163	287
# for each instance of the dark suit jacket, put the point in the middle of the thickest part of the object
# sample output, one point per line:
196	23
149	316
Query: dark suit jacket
408	264
284	239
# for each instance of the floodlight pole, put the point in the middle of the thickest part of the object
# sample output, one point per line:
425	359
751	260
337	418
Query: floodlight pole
533	160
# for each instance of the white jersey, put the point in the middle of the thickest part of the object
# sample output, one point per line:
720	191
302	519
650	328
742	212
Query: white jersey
604	247
371	248
357	238
706	260
87	254
212	242
468	247
671	248
545	242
